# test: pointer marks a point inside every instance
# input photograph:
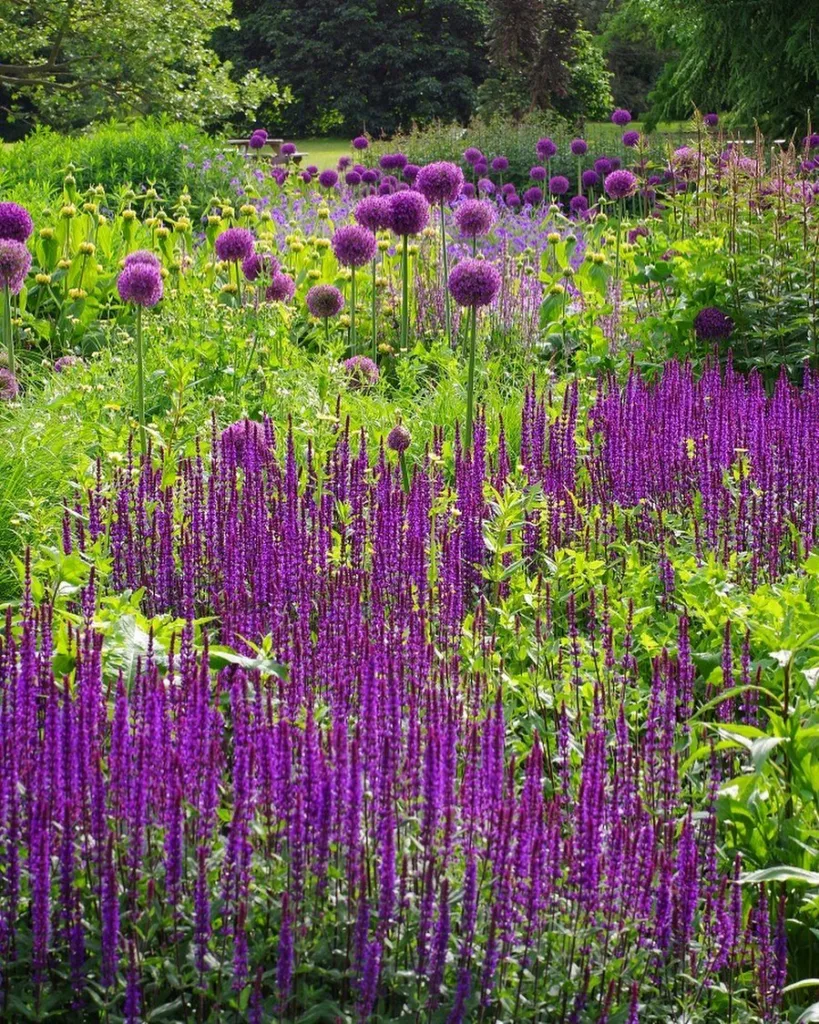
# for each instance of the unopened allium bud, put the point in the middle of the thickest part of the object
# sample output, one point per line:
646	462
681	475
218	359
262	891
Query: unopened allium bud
399	439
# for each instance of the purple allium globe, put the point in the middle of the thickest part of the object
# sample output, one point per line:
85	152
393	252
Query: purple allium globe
361	372
546	149
15	222
312	169
508	189
399	439
631	139
578	205
621	117
373	213
279	175
361	142
641	231
620	184
410	173
537	173
354	246
9	385
369	177
65	363
486	185
324	301
352	178
603	166
474	217
257	140
244	444
482	167
590	179
711	120
306	177
142	256
409	213
328	179
472	155
259	263
344	162
615	163
474	283
15	260
288	149
468	191
500	163
440	182
533	196
579	147
141	284
234	245
711	324
811	141
282	288
558	185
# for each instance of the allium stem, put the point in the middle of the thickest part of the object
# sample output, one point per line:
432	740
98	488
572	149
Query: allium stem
402	462
353	346
405	291
470	381
447	305
7	328
375	311
140	381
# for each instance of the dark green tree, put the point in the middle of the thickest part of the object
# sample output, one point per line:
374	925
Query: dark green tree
354	64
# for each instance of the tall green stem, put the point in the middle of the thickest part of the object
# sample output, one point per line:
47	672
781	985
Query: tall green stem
405	292
375	312
140	382
353	346
447	306
7	328
470	381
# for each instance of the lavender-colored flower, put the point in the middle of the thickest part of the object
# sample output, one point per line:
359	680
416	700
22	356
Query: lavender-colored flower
474	217
373	213
590	179
513	200
361	371
533	196
440	182
481	167
141	284
579	147
621	117
399	438
472	155
474	283
66	362
259	263
234	245
354	245
546	149
641	231
142	256
288	149
500	163
9	385
361	142
15	261
711	324
328	179
15	222
324	301
631	139
620	184
711	120
537	173
409	213
558	185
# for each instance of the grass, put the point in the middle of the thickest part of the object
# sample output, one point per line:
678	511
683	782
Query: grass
325	152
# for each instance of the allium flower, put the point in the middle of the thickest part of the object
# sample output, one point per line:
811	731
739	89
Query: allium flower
508	189
65	363
500	163
399	438
306	177
288	149
621	117
811	141
486	185
141	283
711	324
440	182
620	184
282	288
558	185
513	200
234	245
472	155
615	163
410	173
328	179
15	261
546	149
9	386
354	245
578	204
468	190
279	175
344	162
257	140
537	173
15	222
603	166
641	231
631	139
369	177
324	301
373	213
590	179
393	162
258	263
474	217
579	147
474	283
533	196
142	256
352	178
312	169
244	443
684	162
361	371
711	120
409	213
482	166
361	142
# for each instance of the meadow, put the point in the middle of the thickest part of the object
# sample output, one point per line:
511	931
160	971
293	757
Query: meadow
410	574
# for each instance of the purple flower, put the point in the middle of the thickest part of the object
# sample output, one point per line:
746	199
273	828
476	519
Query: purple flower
324	301
711	120
474	217
328	179
352	178
399	438
578	205
546	149
15	222
468	190
141	284
711	324
354	245
409	213
282	288
513	200
603	166
65	363
533	196
142	256
306	177
361	371
641	231
621	117
620	184
393	162
373	213
15	260
558	185
344	162
579	147
486	185
361	142
474	283
258	263
9	385
440	182
537	173
234	245
472	155
258	139
288	149
631	139
500	163
590	179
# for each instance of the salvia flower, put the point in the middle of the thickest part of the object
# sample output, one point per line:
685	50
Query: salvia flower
9	385
141	284
474	283
409	213
361	142
474	217
234	245
711	324
361	371
621	117
15	222
558	185
324	301
579	147
15	261
440	182
620	184
354	245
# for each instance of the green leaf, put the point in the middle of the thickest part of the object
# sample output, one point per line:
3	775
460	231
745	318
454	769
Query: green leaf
783	873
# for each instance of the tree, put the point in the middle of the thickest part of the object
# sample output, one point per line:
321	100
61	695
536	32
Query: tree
353	64
68	62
